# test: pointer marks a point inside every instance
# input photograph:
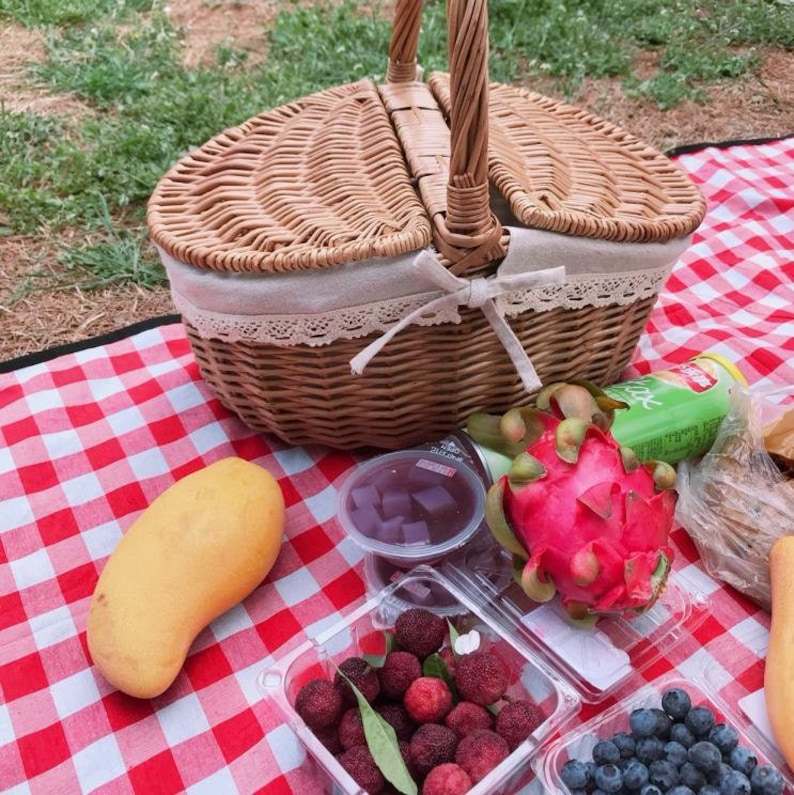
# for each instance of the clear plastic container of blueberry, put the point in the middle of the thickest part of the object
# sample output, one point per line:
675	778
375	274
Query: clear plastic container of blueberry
368	632
675	736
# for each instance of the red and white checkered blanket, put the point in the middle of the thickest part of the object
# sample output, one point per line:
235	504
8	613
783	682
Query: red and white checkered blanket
89	437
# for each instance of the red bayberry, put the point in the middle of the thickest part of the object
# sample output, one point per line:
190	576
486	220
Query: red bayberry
431	745
399	669
351	728
358	761
319	703
447	779
428	700
480	677
362	675
480	752
467	716
419	631
517	720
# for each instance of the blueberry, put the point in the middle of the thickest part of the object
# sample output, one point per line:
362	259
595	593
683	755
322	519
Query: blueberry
709	789
635	775
649	749
691	776
705	756
681	734
742	759
642	722
720	774
676	702
680	789
574	774
700	720
663	773
625	743
725	737
766	780
608	778
605	752
676	753
663	723
651	789
736	783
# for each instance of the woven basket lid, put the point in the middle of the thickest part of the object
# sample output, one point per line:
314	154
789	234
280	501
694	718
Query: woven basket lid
565	170
318	182
360	171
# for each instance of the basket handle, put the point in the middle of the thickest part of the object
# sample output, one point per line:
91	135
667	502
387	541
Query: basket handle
468	235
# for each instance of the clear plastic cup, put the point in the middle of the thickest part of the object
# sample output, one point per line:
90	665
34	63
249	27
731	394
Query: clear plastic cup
412	506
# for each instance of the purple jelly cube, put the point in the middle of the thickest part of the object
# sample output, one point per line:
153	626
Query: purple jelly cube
385	479
420	592
366	519
365	495
416	532
389	531
396	502
435	500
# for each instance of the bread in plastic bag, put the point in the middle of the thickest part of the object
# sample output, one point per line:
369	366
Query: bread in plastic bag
735	502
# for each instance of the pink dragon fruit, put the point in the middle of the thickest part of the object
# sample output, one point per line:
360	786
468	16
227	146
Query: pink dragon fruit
581	515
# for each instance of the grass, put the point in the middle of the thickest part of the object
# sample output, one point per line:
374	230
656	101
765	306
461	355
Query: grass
144	109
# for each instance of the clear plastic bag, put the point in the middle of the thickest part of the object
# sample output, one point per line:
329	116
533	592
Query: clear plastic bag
735	501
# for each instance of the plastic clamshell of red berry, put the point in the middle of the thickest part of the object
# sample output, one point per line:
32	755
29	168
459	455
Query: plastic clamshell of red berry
698	719
366	632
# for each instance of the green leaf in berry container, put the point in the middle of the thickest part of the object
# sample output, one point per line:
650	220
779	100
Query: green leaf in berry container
382	743
436	667
453	634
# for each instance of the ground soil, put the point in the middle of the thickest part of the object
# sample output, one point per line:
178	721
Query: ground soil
758	106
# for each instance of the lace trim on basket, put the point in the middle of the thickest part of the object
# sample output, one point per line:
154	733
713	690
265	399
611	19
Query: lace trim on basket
379	316
597	290
310	329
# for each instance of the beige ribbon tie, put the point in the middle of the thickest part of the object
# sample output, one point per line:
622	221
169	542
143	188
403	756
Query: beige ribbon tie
477	293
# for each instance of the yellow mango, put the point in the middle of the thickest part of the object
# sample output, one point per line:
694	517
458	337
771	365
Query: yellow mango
200	548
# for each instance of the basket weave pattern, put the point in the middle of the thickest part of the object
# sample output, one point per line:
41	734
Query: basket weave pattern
362	171
343	193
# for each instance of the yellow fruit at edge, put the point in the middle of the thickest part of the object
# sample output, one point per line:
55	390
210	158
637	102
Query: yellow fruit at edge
779	666
199	549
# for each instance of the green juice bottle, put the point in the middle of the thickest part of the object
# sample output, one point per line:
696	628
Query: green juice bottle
674	414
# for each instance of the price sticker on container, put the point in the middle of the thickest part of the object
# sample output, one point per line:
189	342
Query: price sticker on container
436	466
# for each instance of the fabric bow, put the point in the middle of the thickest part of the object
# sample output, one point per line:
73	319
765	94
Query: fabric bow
477	293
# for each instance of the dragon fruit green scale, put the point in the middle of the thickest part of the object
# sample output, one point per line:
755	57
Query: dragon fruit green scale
582	517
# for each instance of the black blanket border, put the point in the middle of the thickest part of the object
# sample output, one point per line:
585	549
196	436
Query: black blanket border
47	354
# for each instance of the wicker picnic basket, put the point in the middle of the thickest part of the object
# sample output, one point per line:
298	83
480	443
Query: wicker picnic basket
475	239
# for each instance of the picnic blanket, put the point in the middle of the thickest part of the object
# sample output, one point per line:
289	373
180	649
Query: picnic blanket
91	433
